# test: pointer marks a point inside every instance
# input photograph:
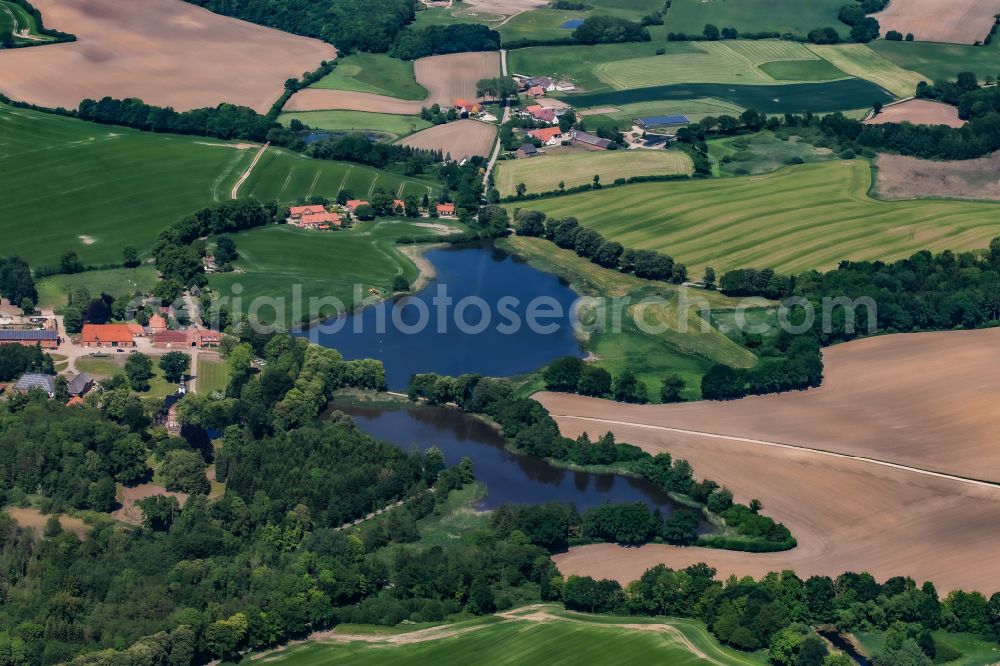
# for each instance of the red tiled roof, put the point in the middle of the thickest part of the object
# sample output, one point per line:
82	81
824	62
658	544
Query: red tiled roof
399	203
170	337
354	203
157	321
446	208
321	218
107	333
136	329
75	400
544	135
307	210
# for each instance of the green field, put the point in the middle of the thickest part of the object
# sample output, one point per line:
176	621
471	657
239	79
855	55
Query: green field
291	177
212	375
542	174
359	121
15	19
942	61
93	189
374	73
578	63
841	95
973	650
275	259
674	339
794	16
800	218
53	290
519	638
720	62
111	365
762	153
861	61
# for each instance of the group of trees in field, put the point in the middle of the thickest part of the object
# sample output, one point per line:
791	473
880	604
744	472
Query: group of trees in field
226	121
413	43
527	425
570	374
15	360
787	363
16	283
777	612
608	30
569	234
356	148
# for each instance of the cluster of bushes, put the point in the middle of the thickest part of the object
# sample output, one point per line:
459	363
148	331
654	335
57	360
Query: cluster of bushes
587	187
609	30
16	283
528	427
777	612
570	374
555	526
7	38
864	28
712	33
414	43
567	233
790	363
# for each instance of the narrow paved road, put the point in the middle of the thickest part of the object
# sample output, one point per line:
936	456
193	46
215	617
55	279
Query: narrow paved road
794	447
246	174
506	117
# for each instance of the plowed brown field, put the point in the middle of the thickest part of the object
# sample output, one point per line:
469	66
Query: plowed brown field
166	52
919	112
926	401
462	138
901	177
957	21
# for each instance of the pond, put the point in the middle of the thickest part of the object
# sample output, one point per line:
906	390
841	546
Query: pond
571	24
485	312
510	478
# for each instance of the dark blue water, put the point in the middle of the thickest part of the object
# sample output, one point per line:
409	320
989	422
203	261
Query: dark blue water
503	318
510	478
571	24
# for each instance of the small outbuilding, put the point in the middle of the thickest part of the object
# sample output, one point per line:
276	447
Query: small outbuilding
527	150
35	380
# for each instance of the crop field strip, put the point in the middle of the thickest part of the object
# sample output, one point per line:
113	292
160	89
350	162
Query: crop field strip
800	218
861	61
397	125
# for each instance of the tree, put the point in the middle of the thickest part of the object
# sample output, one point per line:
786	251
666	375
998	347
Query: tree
597	181
481	601
159	512
812	651
783	646
73	320
628	388
184	471
224	637
877	108
139	370
594	381
225	250
174	365
130	257
710	278
563	374
364	212
70	263
710	32
672	389
521	188
53	527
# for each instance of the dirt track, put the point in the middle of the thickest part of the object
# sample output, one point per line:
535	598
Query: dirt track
166	52
462	138
957	21
446	77
902	177
926	400
919	112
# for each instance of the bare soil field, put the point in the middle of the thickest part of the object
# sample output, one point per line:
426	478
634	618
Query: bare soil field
920	400
446	77
462	138
956	21
127	497
506	7
902	177
166	52
919	112
35	519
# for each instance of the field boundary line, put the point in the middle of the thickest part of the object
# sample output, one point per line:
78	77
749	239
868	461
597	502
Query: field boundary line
794	447
246	174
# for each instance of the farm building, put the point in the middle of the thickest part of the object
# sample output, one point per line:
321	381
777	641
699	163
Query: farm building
465	106
29	338
662	121
34	380
192	337
352	204
446	209
527	150
296	213
541	113
107	335
80	384
137	330
589	139
322	220
536	91
157	323
205	337
550	136
543	82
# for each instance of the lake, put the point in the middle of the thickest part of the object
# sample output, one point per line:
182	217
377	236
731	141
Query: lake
485	312
510	478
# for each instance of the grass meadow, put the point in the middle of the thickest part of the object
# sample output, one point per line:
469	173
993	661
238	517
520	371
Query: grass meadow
941	61
762	153
862	61
690	16
799	218
213	375
290	177
112	365
93	189
544	173
374	73
274	259
53	291
682	343
359	121
520	637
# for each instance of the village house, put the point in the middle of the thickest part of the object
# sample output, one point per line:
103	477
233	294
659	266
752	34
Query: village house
80	384
589	140
549	136
352	205
205	337
34	380
296	213
45	339
322	221
527	150
157	323
536	91
543	82
107	335
446	209
137	330
465	106
542	114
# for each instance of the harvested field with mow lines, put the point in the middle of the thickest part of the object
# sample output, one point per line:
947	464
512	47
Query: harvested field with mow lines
446	77
166	52
957	21
919	112
462	138
866	471
861	61
800	218
902	177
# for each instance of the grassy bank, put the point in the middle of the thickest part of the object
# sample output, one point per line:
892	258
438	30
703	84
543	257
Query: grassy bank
374	73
